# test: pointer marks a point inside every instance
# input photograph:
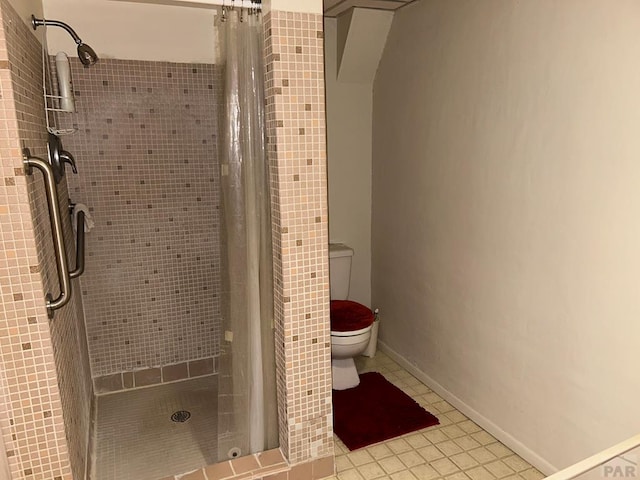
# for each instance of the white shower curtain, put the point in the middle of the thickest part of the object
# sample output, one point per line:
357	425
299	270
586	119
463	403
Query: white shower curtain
247	372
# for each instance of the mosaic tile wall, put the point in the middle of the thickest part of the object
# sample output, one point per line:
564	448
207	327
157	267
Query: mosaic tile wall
58	396
146	152
295	96
297	156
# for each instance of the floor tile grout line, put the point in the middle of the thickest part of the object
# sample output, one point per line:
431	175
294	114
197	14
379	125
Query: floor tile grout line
485	443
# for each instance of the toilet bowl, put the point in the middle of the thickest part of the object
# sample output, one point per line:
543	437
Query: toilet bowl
350	344
351	322
345	346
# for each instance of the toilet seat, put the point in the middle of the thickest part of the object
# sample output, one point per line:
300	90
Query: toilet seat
349	317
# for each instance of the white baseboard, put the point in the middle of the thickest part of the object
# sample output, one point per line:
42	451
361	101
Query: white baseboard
518	447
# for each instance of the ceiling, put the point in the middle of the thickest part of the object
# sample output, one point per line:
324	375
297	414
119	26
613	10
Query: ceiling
333	8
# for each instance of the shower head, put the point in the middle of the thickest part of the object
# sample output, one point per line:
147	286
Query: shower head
86	54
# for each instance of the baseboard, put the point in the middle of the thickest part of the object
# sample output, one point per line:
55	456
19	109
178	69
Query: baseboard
518	447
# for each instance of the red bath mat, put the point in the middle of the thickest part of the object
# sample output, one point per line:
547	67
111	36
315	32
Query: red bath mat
375	411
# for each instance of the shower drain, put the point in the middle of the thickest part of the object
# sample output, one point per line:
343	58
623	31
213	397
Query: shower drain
180	416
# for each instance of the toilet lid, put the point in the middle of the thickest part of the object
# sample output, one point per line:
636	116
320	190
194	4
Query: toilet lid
348	316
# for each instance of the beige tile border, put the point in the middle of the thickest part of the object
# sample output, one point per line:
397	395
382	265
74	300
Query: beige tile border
270	465
155	376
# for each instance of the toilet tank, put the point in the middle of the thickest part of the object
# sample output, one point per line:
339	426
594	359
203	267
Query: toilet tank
339	270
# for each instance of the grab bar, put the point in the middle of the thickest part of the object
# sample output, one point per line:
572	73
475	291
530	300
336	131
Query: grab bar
79	270
57	232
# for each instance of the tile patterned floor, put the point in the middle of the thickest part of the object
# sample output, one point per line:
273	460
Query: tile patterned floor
457	449
136	439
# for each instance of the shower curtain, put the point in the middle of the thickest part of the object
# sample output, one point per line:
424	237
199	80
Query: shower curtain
247	400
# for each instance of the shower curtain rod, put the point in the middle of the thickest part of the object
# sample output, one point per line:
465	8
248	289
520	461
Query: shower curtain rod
201	3
227	3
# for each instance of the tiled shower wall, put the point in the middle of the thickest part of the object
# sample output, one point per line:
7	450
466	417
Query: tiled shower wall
146	152
45	397
297	156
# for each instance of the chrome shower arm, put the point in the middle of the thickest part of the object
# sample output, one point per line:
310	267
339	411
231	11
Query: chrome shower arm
86	54
39	22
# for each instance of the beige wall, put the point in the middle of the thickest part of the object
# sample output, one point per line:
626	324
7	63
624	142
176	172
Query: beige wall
362	34
305	6
349	159
506	213
133	31
26	8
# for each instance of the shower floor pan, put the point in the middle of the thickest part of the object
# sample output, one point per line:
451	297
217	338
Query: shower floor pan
158	431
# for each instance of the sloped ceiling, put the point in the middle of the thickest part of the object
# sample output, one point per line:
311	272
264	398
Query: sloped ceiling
333	8
362	35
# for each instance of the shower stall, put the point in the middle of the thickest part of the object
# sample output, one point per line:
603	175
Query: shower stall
162	360
153	289
166	185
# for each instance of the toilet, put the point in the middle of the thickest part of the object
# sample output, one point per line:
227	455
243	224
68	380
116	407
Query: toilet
351	322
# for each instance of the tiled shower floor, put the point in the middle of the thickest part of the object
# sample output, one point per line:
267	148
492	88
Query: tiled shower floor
136	439
457	449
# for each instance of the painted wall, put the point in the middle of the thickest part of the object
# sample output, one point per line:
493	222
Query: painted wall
505	161
135	31
303	6
362	35
26	8
349	163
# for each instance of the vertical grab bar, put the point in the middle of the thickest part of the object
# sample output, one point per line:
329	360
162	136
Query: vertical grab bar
79	270
58	235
